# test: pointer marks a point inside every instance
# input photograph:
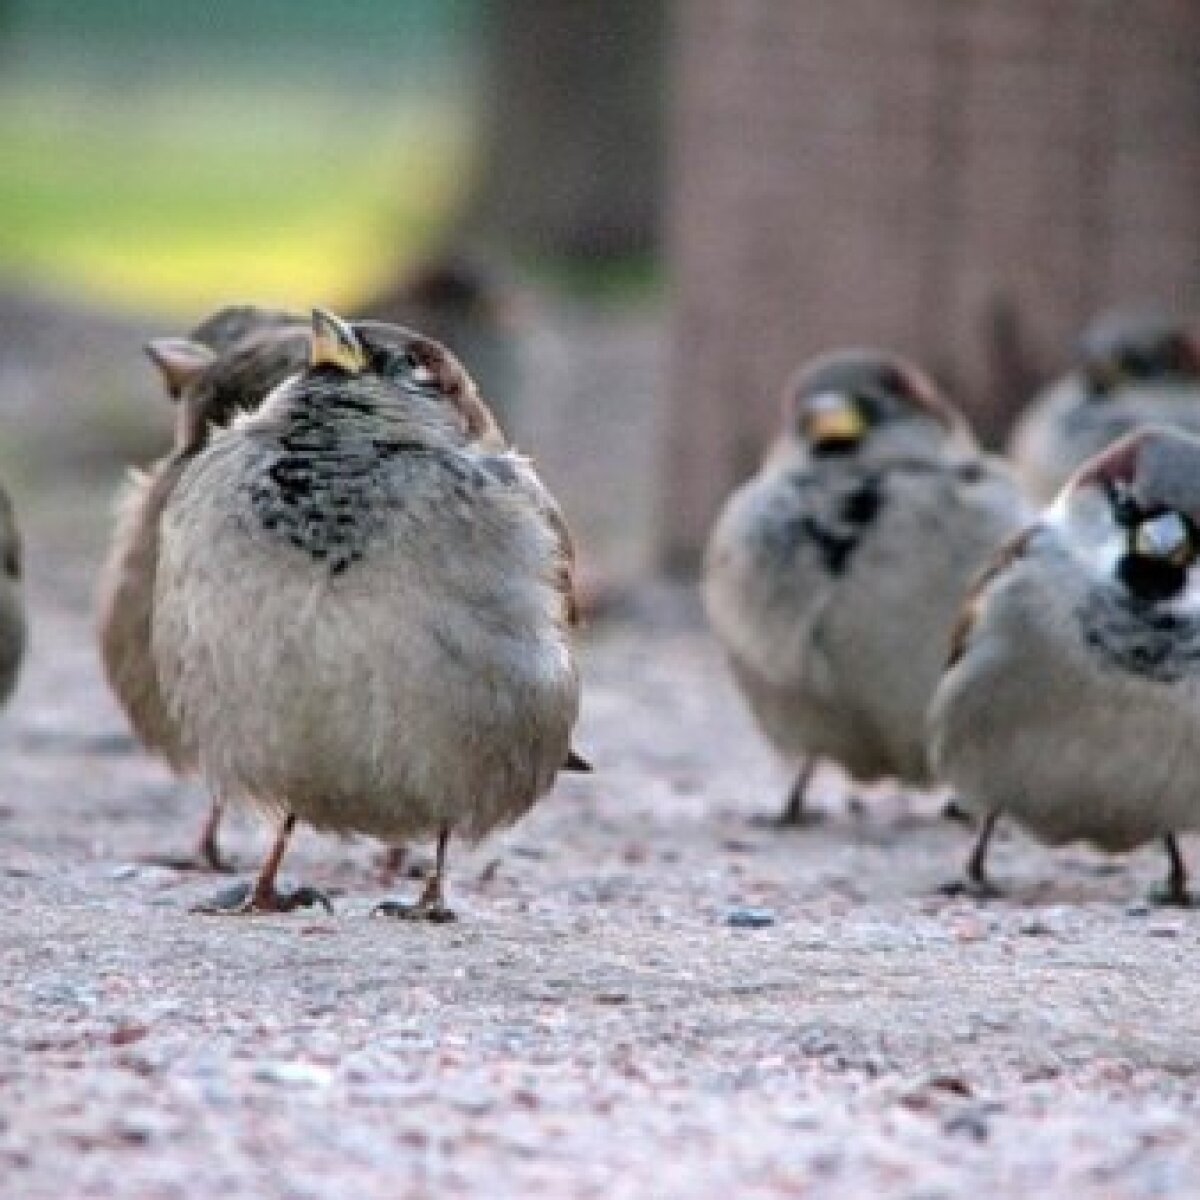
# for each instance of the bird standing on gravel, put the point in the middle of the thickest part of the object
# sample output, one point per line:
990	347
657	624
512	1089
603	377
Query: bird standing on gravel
228	364
1133	370
1072	696
362	608
832	577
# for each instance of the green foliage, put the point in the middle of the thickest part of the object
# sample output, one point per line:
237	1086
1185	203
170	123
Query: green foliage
175	154
186	195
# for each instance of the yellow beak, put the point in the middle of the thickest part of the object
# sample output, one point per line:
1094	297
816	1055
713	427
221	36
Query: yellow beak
830	418
335	344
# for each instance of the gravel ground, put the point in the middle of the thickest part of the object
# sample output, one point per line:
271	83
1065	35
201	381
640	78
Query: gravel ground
594	1025
645	995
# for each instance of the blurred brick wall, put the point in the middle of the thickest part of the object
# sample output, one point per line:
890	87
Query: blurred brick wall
966	181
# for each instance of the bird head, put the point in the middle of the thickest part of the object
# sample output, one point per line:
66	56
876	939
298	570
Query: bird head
1125	349
403	375
868	402
211	386
1133	514
226	327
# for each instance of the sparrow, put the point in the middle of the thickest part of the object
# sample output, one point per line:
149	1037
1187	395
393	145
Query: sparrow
465	303
1071	698
362	609
14	633
832	578
1132	370
210	388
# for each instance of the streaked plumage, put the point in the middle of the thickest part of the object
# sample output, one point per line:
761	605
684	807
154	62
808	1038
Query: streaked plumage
833	576
1071	701
210	385
362	608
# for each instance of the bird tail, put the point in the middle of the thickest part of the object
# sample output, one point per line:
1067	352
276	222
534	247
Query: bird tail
576	762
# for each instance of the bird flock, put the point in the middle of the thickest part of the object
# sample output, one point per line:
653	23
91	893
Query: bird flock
889	601
344	599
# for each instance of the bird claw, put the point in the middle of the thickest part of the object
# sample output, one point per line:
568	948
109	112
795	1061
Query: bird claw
244	899
423	910
971	889
1163	895
198	860
805	818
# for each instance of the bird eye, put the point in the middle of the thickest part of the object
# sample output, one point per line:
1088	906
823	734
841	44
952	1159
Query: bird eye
1137	364
421	372
1168	538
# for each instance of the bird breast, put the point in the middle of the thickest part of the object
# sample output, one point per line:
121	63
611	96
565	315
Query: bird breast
370	632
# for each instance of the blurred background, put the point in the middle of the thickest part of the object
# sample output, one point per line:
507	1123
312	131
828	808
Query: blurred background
631	217
489	172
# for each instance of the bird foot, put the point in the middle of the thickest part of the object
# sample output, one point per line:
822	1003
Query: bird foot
805	818
1165	895
201	859
971	889
430	907
247	899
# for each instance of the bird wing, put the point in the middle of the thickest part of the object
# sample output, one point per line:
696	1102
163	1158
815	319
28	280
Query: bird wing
1011	552
526	480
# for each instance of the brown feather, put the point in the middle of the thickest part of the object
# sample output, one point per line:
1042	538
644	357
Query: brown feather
1005	556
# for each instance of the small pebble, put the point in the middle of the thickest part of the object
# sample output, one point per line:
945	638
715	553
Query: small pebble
968	1124
750	918
293	1074
1035	927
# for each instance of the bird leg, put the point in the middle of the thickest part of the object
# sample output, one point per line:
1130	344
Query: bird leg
794	815
262	896
208	851
431	904
1174	889
975	882
207	856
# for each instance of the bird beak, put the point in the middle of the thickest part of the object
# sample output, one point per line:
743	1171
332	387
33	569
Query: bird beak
1167	538
179	361
335	344
831	419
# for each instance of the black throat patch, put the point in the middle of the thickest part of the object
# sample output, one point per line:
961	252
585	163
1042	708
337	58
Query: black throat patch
839	535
